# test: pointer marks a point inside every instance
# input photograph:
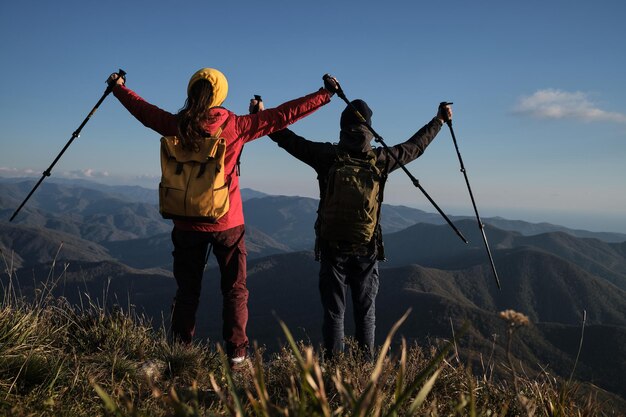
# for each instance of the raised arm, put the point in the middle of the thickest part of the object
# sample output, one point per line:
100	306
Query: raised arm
415	146
254	126
315	154
151	116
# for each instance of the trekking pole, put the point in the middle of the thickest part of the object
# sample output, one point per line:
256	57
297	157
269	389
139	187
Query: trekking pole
380	140
76	133
481	226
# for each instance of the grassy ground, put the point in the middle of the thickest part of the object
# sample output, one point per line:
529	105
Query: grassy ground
60	360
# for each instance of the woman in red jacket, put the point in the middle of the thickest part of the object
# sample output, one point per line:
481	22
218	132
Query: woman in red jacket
200	117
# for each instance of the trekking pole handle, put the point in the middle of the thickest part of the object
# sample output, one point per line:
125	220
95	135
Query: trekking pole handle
259	103
256	104
446	119
337	89
122	75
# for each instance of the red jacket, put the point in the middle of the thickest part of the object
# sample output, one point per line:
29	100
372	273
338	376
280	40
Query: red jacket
237	131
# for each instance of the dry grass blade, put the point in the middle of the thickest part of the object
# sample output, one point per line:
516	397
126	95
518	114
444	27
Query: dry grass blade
423	393
310	376
383	351
263	403
401	370
345	391
292	344
367	400
237	408
220	393
580	346
110	405
421	377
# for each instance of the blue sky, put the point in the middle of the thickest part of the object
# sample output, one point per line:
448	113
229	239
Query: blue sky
538	90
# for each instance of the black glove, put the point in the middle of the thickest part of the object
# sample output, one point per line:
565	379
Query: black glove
331	84
256	105
444	112
115	77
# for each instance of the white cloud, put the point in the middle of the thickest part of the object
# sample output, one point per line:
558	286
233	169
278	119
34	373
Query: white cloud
557	104
76	174
16	172
84	173
104	177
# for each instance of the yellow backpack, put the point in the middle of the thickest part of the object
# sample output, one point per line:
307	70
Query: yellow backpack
193	185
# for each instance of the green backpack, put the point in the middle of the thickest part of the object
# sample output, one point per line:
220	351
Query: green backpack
350	209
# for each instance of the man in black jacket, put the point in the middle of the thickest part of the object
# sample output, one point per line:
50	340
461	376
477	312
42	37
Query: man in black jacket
346	264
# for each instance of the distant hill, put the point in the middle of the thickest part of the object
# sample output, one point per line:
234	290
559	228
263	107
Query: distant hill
543	286
114	213
436	246
155	251
104	283
528	229
248	193
286	219
110	244
27	246
85	212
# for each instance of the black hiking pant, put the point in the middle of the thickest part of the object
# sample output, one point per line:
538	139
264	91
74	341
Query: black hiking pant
338	272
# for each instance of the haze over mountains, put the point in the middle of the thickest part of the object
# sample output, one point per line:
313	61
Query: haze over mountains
113	237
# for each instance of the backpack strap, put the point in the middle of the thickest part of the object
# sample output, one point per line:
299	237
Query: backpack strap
317	227
237	167
219	130
202	169
378	233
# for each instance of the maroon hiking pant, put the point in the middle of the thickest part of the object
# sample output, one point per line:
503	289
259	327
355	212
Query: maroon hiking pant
190	249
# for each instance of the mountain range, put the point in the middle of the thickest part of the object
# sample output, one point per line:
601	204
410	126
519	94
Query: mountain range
110	244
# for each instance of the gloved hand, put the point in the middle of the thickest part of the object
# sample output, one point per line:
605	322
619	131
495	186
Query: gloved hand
444	112
331	84
116	78
256	105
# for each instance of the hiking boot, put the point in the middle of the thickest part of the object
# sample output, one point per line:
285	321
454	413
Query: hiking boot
239	363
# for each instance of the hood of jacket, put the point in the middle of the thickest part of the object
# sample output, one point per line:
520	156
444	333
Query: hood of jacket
354	135
218	82
215	117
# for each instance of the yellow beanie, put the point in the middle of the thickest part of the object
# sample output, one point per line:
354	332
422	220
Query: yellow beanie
217	80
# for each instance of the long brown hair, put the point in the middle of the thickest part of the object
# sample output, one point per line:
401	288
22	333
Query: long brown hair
193	114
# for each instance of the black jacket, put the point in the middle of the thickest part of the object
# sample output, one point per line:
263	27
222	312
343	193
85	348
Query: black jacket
321	155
